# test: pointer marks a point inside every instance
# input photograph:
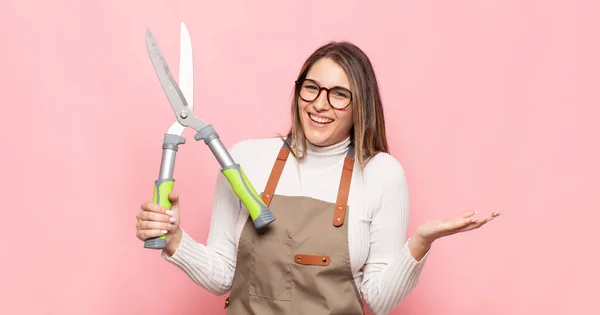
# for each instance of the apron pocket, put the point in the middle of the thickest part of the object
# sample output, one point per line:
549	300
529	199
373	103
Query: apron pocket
271	274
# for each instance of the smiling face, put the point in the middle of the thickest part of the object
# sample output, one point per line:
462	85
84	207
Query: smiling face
333	66
323	124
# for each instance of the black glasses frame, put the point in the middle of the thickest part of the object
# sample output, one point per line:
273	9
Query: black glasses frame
321	88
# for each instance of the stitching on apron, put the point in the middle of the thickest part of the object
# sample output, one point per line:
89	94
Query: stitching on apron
314	260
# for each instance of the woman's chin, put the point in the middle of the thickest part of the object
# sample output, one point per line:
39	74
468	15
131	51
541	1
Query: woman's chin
317	138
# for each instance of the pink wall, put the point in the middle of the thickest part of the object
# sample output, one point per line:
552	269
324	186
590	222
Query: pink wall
490	104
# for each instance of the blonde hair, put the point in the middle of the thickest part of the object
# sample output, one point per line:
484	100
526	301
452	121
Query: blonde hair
368	129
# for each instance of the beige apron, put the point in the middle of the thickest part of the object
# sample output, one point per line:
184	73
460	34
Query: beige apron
300	264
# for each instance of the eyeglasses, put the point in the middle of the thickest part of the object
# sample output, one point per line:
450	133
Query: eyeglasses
338	97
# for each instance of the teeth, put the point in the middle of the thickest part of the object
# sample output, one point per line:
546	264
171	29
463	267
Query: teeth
320	120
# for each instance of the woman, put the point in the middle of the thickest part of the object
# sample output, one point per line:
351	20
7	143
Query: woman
341	205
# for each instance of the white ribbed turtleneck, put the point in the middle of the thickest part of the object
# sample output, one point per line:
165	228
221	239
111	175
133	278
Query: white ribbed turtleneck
384	270
337	149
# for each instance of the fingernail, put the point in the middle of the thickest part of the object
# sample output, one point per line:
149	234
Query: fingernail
171	219
164	231
169	212
474	220
497	213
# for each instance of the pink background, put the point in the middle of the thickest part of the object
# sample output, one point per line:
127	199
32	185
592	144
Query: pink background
490	104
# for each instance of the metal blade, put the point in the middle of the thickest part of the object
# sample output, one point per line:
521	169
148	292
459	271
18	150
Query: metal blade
186	75
182	110
186	67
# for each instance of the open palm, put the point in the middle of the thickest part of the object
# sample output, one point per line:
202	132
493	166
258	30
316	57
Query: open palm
465	221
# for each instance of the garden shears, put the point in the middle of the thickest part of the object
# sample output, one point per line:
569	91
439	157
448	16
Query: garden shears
180	96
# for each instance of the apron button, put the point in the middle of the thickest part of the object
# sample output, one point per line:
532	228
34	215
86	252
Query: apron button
324	259
338	219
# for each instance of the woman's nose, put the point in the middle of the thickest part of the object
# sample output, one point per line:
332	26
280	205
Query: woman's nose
321	103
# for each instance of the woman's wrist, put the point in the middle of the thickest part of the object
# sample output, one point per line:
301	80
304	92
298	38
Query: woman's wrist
173	241
419	246
423	241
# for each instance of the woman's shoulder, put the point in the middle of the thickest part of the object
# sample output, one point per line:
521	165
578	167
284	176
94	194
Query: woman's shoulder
256	148
384	166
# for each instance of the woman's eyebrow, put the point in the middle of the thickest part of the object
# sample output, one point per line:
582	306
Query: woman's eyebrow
339	86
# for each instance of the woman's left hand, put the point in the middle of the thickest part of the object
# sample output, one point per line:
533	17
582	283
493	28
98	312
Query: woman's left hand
432	230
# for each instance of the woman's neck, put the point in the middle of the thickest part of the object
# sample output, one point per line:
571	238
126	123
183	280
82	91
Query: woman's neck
325	155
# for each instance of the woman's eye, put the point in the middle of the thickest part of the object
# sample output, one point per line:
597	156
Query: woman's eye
340	94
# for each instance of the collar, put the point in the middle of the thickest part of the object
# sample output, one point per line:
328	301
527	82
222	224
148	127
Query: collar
318	156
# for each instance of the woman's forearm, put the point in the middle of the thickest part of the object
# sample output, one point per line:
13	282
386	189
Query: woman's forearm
173	240
418	247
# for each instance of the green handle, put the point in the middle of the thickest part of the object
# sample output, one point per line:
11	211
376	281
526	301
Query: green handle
162	189
259	212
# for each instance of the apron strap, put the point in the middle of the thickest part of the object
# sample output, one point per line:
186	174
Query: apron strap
267	196
341	204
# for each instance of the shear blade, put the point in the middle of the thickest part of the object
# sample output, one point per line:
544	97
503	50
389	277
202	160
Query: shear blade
170	87
186	75
183	112
186	67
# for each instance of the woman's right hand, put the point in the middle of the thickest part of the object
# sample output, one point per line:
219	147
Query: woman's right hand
154	221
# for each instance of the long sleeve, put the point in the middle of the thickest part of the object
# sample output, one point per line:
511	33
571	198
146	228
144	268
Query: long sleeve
390	272
212	266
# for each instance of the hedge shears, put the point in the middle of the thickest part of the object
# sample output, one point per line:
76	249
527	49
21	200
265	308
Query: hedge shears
180	96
